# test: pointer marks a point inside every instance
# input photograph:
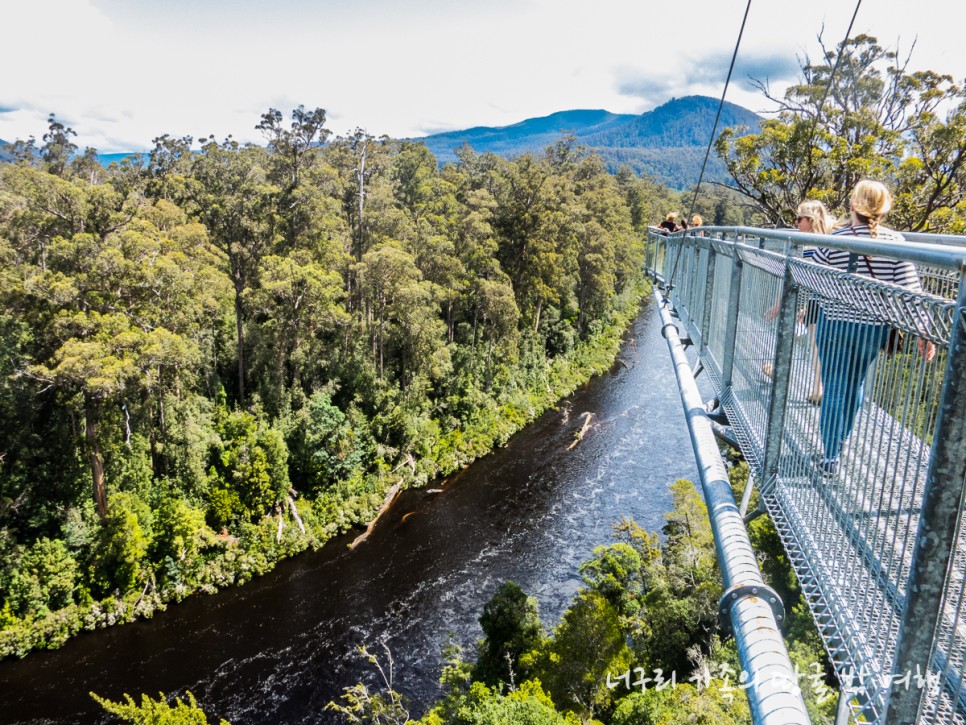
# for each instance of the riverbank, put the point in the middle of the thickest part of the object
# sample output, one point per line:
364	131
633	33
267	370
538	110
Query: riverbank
221	561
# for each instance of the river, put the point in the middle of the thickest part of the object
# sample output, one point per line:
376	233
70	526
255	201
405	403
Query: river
282	646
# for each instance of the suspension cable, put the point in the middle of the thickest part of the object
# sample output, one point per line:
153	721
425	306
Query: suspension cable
828	86
720	106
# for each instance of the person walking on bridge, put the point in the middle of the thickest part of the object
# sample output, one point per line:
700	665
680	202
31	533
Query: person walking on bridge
848	338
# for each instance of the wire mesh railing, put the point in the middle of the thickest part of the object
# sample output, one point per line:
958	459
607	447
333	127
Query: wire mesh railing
856	439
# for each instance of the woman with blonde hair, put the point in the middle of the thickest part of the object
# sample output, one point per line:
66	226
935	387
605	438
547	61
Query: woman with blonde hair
813	218
670	222
849	338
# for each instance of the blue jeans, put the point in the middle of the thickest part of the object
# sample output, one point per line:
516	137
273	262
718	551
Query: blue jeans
846	350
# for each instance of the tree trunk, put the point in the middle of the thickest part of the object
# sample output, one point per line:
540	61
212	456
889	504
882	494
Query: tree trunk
361	176
241	345
489	356
92	421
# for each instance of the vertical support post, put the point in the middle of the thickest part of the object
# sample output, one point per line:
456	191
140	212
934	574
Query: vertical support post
843	713
942	504
708	298
782	366
731	327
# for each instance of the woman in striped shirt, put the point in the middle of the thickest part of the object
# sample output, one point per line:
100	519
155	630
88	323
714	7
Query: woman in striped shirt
848	338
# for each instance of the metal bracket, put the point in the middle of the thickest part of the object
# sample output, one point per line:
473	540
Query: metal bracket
724	433
698	369
753	515
720	417
741	591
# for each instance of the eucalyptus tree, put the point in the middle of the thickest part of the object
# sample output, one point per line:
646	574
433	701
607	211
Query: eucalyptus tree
58	148
293	154
292	148
297	300
528	224
499	317
229	192
101	299
361	159
169	164
383	272
857	112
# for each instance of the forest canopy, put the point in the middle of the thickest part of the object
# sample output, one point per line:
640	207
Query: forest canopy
218	354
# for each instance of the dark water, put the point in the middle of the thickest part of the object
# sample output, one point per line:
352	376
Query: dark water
279	648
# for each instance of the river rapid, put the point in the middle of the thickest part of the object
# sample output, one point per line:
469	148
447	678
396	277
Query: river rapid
282	646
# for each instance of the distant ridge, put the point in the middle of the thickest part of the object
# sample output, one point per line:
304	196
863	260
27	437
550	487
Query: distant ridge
5	154
108	159
533	134
667	143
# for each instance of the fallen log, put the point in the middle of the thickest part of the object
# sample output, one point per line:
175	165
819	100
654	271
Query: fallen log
580	435
390	497
295	513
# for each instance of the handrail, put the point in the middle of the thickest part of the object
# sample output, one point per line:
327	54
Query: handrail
916	248
752	607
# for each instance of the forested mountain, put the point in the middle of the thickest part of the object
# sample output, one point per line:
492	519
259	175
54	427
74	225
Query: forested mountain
531	134
667	144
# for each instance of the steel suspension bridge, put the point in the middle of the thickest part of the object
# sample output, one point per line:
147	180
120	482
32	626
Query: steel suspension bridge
878	544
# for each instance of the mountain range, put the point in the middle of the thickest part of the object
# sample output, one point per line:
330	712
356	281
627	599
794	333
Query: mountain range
667	143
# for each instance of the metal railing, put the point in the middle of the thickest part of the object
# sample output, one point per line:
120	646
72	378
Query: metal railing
865	487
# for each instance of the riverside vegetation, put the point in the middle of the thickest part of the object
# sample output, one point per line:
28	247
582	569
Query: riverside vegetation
210	360
648	608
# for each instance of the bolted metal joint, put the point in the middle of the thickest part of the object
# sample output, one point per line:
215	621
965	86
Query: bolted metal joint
743	591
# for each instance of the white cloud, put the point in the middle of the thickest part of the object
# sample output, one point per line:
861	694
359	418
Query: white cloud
123	71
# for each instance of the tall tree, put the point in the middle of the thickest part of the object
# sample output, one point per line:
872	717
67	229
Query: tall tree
879	120
58	148
98	297
229	193
291	147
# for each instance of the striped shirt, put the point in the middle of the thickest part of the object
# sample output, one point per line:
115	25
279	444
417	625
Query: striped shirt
880	269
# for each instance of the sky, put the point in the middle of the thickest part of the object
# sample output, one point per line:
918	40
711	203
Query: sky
121	72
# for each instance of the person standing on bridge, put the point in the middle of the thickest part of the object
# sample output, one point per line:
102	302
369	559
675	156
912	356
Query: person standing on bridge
670	223
849	339
813	218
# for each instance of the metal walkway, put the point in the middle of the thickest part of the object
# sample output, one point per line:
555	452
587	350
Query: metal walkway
877	545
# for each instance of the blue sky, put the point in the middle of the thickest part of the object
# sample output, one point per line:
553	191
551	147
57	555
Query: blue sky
121	72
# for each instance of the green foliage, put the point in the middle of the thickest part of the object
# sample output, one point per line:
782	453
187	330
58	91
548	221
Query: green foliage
684	703
615	571
326	445
588	644
381	707
249	472
123	543
879	121
480	705
511	628
179	535
39	579
156	712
